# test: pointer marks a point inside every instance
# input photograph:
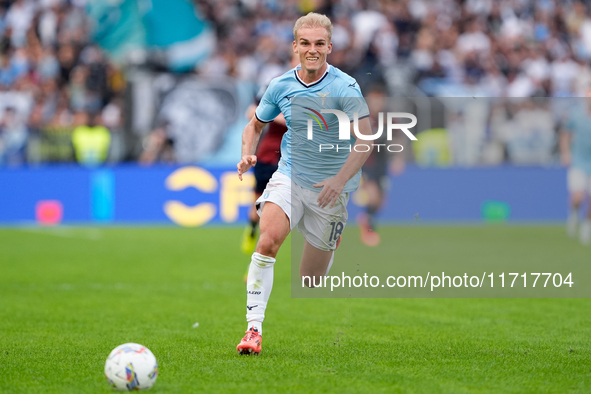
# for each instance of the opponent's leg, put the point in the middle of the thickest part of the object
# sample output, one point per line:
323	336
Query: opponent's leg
274	227
576	181
572	223
585	232
367	222
262	175
375	198
249	237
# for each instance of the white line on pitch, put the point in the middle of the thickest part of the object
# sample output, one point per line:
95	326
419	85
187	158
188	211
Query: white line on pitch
92	234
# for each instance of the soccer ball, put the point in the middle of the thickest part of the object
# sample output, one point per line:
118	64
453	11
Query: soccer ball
131	367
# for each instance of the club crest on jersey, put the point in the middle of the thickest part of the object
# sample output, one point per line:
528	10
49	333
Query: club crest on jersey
323	97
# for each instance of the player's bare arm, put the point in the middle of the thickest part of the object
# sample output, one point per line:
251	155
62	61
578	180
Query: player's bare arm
280	119
333	187
250	140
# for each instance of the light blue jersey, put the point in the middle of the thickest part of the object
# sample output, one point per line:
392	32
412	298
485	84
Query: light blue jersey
579	125
300	157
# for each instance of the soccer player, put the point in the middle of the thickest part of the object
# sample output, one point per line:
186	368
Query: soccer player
575	150
313	198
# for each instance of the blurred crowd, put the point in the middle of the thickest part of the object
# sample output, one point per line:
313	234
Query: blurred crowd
446	48
53	81
514	48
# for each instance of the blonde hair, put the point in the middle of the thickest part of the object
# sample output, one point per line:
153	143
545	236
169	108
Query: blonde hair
313	19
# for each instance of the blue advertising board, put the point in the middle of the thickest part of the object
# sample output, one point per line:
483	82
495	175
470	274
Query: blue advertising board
193	196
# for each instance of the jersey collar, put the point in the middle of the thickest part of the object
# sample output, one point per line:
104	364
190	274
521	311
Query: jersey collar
309	85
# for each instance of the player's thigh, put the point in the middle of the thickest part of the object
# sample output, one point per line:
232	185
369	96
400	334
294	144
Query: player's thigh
578	184
576	180
274	227
277	191
314	261
280	209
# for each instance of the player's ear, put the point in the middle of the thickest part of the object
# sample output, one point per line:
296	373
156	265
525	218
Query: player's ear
329	48
295	47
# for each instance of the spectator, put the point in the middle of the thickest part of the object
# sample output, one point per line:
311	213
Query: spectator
158	147
48	67
13	138
448	47
91	140
18	20
530	136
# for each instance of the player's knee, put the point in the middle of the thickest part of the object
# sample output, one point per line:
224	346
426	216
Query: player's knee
268	245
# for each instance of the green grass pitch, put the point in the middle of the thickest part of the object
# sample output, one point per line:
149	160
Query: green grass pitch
70	295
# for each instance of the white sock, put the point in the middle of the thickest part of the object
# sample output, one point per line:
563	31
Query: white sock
330	264
257	325
258	289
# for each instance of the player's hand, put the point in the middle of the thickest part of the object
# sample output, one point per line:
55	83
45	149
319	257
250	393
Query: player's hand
331	190
245	164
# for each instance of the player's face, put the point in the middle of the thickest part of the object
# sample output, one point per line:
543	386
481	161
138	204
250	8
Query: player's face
312	45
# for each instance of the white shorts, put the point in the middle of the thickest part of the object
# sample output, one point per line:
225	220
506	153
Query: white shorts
321	226
578	181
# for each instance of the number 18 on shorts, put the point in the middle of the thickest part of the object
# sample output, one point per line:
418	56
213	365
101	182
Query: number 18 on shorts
321	227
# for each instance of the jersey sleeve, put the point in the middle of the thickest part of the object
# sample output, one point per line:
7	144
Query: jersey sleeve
267	110
352	101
